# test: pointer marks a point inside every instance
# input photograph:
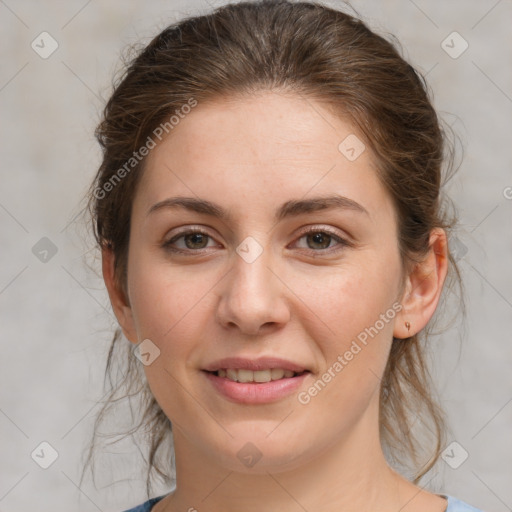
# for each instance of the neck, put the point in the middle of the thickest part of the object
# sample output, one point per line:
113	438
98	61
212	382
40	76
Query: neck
352	474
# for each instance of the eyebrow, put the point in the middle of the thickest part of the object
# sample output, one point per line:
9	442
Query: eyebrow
290	208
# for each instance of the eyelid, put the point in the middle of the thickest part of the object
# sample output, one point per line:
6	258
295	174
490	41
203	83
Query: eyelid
343	241
325	229
187	230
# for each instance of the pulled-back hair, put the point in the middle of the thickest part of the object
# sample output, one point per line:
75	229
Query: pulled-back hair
324	55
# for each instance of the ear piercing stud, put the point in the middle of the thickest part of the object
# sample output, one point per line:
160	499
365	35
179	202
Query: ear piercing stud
408	325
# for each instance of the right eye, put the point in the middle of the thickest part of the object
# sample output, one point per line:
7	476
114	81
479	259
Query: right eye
191	240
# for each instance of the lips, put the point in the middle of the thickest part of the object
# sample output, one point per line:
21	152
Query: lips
254	393
255	381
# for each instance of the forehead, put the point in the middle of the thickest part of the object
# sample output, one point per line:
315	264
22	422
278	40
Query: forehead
264	125
262	148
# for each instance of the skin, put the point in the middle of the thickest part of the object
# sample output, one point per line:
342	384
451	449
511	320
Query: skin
298	300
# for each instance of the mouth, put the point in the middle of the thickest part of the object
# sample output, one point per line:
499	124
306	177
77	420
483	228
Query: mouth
249	380
255	376
253	387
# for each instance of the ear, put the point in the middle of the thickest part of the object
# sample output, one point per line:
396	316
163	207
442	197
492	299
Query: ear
120	303
423	287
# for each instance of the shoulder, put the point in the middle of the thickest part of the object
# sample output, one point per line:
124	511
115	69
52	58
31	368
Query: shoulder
146	506
456	505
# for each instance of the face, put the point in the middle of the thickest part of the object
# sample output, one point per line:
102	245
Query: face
315	287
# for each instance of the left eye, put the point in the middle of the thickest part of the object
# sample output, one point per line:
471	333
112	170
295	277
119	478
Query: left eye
321	240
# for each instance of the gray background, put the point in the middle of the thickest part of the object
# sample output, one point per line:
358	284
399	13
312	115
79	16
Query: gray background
56	320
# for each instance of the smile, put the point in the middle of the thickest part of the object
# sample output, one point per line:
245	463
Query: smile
244	375
255	387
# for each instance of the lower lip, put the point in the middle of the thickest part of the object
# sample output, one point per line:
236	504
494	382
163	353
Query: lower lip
255	392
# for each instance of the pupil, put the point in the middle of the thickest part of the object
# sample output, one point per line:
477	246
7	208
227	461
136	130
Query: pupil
321	238
196	239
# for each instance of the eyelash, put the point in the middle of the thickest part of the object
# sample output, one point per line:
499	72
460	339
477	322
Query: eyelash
341	241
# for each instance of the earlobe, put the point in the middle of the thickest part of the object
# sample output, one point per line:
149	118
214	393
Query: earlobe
424	286
120	303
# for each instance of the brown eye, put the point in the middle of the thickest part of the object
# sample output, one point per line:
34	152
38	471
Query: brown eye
195	240
322	241
188	241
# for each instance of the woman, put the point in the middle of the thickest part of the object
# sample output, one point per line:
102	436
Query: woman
269	214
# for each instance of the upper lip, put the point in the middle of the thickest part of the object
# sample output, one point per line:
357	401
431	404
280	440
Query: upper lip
262	363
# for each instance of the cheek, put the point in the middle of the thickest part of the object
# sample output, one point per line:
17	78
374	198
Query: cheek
169	308
354	310
354	337
164	300
345	300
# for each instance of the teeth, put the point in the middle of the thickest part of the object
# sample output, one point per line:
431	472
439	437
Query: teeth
277	373
243	375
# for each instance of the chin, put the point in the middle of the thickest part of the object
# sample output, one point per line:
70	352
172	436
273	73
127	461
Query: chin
259	455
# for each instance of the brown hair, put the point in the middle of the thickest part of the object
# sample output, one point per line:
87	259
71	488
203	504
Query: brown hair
323	54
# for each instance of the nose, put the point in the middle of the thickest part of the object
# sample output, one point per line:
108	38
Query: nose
253	297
